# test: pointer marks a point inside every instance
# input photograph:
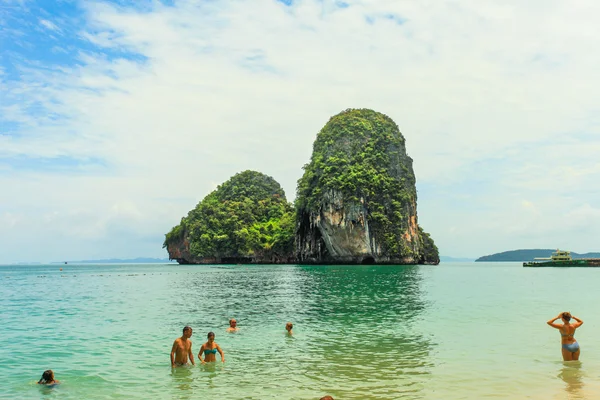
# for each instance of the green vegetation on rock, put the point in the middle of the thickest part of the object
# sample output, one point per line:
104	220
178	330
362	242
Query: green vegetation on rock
360	156
356	203
429	251
246	217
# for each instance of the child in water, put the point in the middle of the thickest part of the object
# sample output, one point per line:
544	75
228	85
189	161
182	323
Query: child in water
48	378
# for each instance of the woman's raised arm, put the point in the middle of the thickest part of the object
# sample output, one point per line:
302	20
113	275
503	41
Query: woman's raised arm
579	322
552	324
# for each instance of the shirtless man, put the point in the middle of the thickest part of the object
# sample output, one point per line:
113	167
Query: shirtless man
232	326
182	349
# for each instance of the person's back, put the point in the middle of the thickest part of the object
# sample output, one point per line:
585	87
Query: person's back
48	378
569	347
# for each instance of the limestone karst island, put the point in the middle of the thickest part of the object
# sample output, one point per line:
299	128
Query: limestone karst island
356	203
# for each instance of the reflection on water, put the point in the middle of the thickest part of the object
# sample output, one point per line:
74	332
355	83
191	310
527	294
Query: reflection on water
49	391
360	332
368	342
572	374
355	335
353	326
210	373
182	377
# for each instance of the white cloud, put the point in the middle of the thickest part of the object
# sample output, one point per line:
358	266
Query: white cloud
481	90
50	25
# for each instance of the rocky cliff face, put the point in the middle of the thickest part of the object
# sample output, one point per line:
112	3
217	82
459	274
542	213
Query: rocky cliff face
356	203
357	200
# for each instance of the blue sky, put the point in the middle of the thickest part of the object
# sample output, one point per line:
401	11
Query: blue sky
117	117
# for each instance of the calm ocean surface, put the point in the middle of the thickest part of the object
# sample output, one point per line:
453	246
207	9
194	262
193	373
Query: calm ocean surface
453	331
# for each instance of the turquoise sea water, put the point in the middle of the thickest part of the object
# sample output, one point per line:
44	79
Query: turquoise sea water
453	331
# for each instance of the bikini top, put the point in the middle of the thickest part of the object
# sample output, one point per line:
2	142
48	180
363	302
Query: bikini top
210	351
567	334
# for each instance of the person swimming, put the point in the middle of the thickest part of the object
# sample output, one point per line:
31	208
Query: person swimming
570	347
288	328
209	349
232	326
48	378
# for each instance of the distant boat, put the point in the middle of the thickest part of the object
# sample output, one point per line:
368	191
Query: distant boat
561	258
65	262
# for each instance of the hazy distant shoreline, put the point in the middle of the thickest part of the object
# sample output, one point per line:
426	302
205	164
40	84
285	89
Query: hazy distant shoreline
139	260
530	255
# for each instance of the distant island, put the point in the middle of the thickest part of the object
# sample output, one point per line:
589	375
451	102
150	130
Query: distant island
139	260
530	254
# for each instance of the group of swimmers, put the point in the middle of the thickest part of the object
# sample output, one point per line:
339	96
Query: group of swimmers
182	346
181	351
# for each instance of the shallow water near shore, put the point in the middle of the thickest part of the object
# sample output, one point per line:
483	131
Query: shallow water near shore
452	331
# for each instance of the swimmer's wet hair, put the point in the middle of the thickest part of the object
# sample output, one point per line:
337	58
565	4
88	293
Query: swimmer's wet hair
47	376
187	328
567	316
210	334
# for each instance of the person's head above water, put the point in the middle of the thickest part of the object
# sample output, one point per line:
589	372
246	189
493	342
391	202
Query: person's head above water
289	326
232	323
566	316
211	335
187	331
47	376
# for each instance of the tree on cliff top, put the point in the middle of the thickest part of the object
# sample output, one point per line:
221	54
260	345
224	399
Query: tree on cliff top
360	154
244	217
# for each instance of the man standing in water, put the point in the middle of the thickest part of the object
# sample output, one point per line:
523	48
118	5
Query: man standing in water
182	349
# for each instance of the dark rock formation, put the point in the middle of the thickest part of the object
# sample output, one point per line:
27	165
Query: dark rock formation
357	200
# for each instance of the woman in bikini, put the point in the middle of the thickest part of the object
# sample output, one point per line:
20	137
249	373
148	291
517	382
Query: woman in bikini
570	347
209	350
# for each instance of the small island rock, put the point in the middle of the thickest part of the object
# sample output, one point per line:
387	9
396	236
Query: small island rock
357	199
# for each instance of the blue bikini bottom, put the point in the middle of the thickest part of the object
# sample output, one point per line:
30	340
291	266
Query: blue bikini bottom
571	347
